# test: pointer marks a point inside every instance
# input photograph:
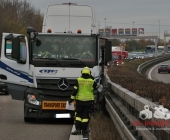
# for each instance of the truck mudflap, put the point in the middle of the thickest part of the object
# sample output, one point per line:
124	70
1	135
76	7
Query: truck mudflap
17	91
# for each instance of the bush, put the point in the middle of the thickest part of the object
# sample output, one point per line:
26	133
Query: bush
127	76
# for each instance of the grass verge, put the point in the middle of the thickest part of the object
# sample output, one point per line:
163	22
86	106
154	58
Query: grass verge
102	127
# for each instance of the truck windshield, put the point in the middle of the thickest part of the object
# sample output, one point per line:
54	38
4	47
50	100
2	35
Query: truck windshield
150	49
65	46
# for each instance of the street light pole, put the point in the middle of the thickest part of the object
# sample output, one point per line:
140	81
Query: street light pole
159	29
133	24
105	27
99	28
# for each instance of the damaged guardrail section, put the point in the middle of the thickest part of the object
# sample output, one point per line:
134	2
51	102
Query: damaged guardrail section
129	111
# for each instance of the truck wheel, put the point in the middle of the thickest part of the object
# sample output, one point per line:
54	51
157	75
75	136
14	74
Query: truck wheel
29	119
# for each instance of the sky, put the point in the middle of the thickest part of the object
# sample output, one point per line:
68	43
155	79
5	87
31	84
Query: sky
152	15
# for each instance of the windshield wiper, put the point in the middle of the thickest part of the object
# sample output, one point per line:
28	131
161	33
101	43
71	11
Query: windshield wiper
52	59
75	59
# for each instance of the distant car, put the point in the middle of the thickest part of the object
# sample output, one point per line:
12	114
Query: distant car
134	56
149	55
164	68
140	56
130	57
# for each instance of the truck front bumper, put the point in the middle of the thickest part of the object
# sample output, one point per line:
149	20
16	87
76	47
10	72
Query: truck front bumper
34	111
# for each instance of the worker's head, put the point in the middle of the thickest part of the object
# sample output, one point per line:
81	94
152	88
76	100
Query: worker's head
55	47
86	71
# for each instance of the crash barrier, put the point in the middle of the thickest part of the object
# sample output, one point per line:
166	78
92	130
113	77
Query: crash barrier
133	114
146	65
124	108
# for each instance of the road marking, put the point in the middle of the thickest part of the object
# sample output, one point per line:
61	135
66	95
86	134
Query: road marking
149	74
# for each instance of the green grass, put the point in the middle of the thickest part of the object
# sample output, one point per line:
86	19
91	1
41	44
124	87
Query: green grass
102	128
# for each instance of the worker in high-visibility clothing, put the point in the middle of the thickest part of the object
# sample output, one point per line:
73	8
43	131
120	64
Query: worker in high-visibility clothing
84	97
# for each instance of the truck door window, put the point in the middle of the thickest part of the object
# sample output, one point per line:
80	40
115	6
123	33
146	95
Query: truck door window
8	50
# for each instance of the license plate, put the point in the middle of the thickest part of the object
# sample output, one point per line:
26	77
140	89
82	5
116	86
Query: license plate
62	115
54	105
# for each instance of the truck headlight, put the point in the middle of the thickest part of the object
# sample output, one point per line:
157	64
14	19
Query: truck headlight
32	99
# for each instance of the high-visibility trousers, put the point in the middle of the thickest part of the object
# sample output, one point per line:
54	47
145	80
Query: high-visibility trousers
82	117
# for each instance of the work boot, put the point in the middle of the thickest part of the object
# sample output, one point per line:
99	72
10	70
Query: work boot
76	132
84	132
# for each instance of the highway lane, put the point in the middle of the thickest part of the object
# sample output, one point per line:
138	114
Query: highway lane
13	127
162	77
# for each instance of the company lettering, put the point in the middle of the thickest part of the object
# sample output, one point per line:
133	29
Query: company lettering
13	71
46	71
85	82
55	105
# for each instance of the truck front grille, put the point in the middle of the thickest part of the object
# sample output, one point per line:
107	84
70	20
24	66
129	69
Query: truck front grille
55	88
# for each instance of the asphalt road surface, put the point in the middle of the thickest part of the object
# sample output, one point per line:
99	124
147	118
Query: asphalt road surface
13	127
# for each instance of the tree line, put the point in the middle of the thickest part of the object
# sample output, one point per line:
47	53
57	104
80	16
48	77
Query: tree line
16	15
133	45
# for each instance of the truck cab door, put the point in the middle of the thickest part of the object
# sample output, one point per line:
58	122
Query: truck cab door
13	72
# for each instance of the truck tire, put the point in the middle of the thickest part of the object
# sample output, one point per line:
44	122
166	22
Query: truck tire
26	119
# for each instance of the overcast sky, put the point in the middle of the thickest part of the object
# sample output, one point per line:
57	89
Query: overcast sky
147	14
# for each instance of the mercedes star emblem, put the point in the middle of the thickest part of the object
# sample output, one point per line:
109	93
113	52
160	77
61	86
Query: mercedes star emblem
63	84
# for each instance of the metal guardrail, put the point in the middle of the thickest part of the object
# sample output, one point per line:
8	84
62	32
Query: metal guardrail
128	105
144	66
124	107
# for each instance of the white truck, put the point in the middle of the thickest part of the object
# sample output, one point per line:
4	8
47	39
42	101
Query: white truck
46	83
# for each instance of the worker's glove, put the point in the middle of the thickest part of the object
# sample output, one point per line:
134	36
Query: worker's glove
70	101
100	88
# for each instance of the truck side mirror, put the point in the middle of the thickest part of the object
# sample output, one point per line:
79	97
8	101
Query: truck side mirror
38	42
108	51
15	48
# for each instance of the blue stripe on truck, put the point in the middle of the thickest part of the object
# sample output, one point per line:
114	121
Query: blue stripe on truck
15	72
